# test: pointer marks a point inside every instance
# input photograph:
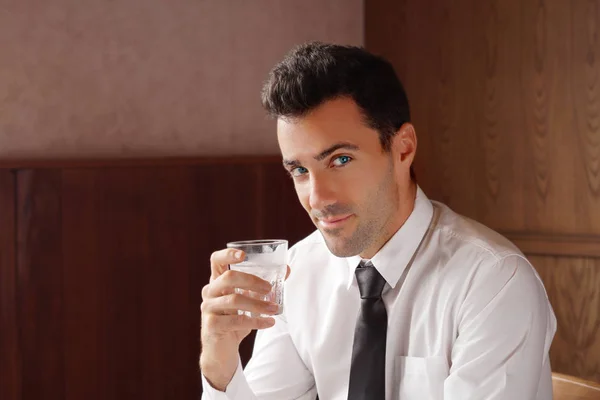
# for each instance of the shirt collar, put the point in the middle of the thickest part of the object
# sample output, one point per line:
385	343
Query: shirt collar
391	260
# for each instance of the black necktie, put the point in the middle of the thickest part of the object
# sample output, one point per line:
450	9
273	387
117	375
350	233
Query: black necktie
367	372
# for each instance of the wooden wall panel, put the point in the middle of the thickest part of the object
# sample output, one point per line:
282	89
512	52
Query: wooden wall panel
40	284
130	237
585	96
505	98
10	368
111	261
572	285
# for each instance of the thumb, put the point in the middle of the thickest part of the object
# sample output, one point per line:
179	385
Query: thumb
288	272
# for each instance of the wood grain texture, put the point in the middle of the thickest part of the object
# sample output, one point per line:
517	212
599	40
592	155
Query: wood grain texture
147	240
111	264
567	387
40	284
10	366
556	245
123	300
383	20
505	99
585	95
536	87
572	286
506	105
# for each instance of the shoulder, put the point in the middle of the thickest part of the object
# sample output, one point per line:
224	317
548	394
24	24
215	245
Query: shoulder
467	235
486	263
480	257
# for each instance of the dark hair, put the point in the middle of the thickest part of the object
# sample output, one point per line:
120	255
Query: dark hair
316	72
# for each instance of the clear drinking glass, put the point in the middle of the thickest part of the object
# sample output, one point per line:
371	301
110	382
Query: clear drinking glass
266	259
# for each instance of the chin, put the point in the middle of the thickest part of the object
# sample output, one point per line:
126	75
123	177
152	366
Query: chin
339	246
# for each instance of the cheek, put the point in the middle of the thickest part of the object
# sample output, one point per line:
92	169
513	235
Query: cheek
303	196
374	192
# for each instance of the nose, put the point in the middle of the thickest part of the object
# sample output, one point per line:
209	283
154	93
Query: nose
322	192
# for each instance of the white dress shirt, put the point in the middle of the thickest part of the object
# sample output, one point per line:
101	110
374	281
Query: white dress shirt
468	319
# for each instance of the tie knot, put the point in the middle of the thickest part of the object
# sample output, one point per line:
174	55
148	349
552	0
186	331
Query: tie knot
370	281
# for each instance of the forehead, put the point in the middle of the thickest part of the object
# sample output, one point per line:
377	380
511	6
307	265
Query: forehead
334	121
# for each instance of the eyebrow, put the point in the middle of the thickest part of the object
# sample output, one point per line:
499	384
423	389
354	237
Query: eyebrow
322	155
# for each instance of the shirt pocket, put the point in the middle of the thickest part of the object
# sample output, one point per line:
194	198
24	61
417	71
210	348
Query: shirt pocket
421	378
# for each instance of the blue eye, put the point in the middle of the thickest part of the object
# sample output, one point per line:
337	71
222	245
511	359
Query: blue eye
341	160
298	171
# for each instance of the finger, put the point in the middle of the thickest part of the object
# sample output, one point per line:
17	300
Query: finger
230	304
206	291
220	260
214	323
230	280
288	272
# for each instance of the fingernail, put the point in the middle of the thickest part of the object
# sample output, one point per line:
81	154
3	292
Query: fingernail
238	255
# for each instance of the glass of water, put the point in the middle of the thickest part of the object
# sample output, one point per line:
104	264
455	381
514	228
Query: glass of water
266	259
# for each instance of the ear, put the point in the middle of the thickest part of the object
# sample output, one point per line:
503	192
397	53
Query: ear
404	145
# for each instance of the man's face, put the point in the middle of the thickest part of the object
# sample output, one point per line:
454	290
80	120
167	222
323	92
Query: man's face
349	186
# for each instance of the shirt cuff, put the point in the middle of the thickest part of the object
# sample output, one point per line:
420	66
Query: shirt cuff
238	388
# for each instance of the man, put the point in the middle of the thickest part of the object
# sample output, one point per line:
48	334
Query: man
393	296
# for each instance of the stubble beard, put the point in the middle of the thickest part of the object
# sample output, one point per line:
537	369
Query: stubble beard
381	206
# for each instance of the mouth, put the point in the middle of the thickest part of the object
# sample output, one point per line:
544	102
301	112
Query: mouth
335	222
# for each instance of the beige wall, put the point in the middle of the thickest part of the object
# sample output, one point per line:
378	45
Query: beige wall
101	78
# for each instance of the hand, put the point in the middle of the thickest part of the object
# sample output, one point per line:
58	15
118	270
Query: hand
222	329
